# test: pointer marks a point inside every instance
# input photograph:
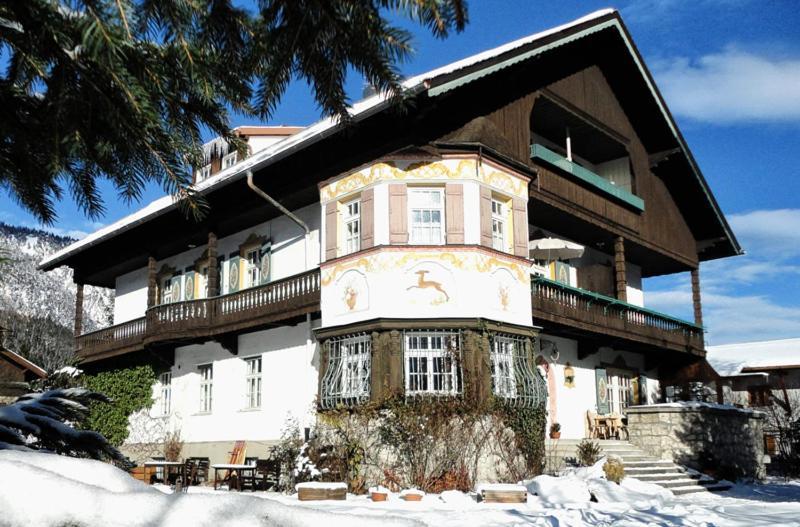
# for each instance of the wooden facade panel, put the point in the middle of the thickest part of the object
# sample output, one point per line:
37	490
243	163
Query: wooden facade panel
454	213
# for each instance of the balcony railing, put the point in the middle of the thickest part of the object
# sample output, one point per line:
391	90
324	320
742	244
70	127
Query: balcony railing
586	176
206	317
575	307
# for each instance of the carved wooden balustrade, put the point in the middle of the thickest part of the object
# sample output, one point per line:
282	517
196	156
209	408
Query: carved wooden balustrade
206	317
584	310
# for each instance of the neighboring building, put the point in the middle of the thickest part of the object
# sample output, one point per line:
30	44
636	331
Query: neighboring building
15	373
409	267
763	375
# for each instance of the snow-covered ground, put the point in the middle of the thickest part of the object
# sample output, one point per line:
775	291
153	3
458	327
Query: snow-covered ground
45	490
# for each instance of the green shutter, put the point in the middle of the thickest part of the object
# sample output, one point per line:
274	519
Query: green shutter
266	262
233	277
601	387
189	279
643	389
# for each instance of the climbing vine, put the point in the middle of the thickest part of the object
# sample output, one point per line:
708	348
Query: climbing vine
130	390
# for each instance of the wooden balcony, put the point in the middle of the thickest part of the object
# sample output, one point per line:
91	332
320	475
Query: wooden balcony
578	310
206	318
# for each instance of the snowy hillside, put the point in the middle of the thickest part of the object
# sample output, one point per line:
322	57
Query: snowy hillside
34	304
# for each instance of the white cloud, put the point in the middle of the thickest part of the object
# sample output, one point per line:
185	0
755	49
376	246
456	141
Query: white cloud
745	297
732	86
657	11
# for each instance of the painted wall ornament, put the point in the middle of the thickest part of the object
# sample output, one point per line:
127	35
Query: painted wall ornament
353	291
423	283
569	376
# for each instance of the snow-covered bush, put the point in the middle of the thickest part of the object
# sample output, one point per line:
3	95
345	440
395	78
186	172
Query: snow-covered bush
42	421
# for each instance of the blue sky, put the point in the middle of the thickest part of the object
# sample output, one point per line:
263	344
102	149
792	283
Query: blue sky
730	72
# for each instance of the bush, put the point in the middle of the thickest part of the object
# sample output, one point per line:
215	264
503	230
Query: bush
287	452
129	389
173	445
588	452
614	470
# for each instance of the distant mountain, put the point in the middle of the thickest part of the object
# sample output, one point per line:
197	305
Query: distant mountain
37	307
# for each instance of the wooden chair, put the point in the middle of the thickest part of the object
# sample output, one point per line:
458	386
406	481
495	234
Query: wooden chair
190	471
202	465
597	430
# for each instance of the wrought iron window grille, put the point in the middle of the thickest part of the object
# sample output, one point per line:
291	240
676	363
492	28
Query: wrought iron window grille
432	363
514	379
349	367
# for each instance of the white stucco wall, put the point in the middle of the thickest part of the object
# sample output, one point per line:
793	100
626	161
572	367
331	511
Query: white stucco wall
291	254
573	403
290	365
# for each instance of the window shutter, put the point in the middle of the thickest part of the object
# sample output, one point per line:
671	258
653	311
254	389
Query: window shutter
368	218
175	285
398	213
189	280
233	273
454	212
520	221
223	284
266	262
601	385
331	225
643	389
486	216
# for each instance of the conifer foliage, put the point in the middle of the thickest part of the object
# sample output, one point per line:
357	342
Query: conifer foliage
121	89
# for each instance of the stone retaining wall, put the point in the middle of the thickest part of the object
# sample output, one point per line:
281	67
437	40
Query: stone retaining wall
711	438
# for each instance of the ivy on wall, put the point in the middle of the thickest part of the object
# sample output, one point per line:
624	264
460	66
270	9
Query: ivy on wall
130	390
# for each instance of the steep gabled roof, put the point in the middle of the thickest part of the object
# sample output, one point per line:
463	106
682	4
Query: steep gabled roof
22	362
744	357
432	84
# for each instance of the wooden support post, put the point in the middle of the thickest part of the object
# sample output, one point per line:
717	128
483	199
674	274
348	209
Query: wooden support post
78	309
619	269
698	307
151	282
213	269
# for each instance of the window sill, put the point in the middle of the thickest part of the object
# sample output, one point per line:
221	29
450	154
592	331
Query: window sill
202	413
249	410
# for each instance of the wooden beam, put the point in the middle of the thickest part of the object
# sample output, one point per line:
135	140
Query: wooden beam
230	342
213	269
151	282
698	306
78	309
619	269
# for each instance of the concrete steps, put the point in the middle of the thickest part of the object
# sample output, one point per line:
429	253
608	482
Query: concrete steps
638	464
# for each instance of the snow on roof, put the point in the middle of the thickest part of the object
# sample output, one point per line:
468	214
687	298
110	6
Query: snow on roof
731	359
304	138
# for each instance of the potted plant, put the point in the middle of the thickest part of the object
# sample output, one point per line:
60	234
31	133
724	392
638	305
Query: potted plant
412	495
555	431
378	493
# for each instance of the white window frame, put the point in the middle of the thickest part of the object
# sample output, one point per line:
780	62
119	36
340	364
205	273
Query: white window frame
253	369
503	370
206	372
165	382
348	372
618	385
416	225
351	223
432	362
203	173
166	291
229	160
253	275
202	279
499	227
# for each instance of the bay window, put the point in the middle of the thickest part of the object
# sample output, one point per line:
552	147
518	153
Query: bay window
432	362
499	225
351	219
426	216
347	374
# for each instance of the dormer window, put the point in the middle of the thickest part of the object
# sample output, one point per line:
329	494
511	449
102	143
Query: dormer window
203	173
229	160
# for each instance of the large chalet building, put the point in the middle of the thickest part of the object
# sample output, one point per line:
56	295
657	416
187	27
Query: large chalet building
488	238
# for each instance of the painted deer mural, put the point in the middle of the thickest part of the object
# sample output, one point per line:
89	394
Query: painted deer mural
425	284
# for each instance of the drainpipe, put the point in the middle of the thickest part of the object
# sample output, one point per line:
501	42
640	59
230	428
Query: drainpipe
286	212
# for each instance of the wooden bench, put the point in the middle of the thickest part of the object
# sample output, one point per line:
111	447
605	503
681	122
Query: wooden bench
502	493
314	491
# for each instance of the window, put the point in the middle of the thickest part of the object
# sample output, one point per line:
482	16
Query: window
513	378
253	382
165	380
253	259
432	362
347	376
167	293
498	225
759	396
620	390
229	160
203	174
206	387
352	226
426	216
202	281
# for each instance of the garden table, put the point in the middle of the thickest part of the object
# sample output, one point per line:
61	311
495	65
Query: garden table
167	467
233	469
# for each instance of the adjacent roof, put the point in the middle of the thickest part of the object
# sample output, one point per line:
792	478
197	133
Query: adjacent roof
749	357
433	84
23	362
